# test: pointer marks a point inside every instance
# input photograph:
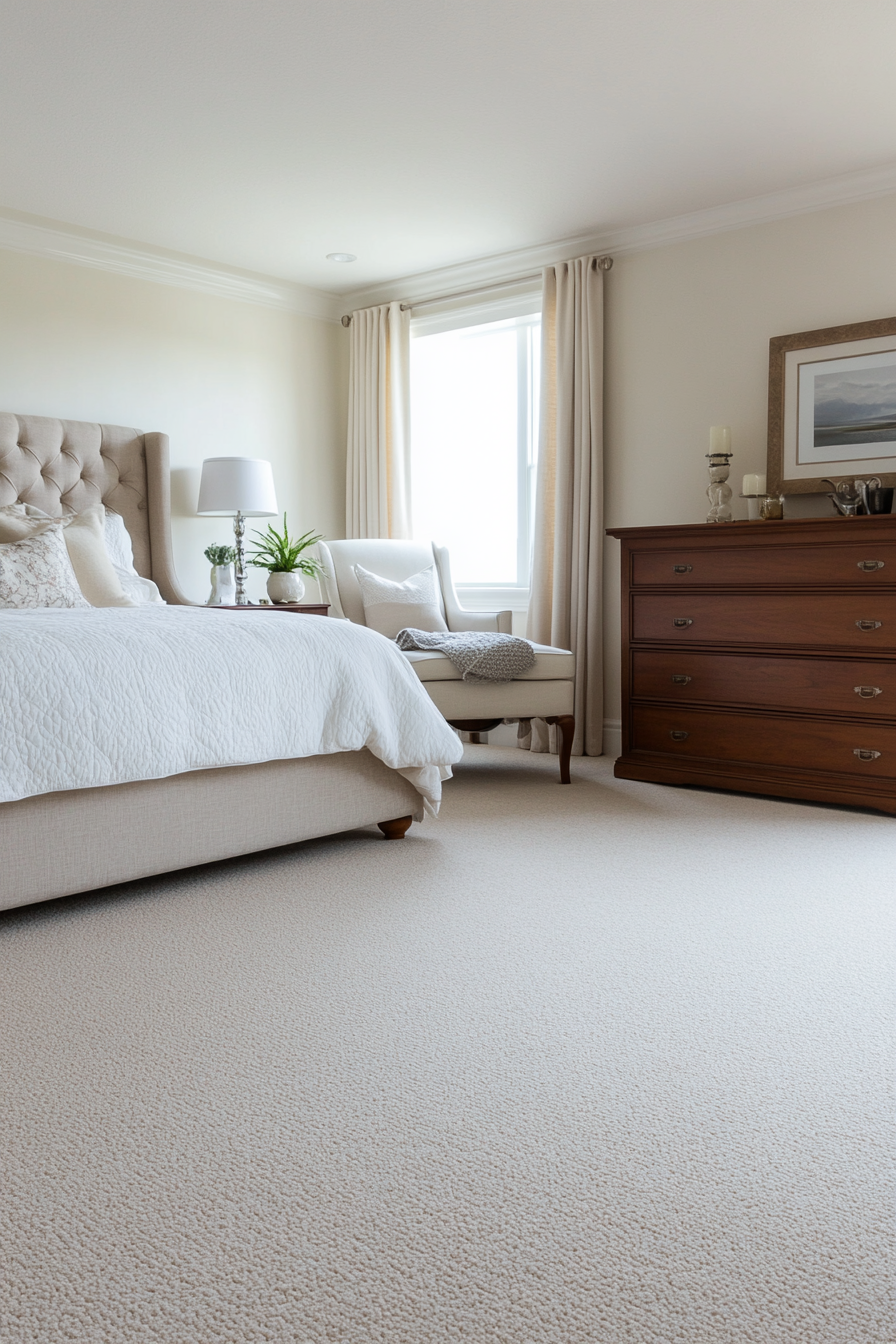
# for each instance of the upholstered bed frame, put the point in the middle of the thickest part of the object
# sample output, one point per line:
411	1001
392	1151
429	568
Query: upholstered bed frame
61	843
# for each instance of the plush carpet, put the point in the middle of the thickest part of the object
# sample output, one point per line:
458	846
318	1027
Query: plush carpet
604	1063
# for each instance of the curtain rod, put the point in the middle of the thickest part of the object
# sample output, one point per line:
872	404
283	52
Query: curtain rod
602	263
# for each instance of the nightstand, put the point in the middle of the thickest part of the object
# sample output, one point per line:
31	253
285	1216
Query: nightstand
303	608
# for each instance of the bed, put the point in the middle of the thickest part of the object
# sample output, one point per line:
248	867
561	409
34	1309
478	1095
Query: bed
62	840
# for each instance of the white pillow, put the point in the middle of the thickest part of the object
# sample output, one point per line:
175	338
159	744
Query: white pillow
37	572
390	607
84	537
118	544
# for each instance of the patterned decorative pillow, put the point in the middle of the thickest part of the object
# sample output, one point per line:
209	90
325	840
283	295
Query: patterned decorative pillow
38	573
18	522
390	607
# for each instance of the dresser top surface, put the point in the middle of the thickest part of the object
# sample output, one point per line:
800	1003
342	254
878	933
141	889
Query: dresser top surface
765	533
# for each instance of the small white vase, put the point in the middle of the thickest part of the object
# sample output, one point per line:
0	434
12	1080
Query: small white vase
283	587
223	592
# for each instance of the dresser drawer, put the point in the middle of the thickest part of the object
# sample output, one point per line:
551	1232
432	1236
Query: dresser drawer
858	621
764	740
823	685
865	564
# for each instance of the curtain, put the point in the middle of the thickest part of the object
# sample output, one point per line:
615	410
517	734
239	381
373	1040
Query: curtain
377	502
565	605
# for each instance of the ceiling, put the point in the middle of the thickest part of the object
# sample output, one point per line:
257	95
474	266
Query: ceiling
417	135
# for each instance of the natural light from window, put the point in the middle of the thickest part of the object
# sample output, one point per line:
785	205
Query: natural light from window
474	437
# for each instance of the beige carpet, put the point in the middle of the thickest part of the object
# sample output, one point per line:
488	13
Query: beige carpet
608	1063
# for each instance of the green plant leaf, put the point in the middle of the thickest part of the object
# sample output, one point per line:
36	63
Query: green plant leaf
280	553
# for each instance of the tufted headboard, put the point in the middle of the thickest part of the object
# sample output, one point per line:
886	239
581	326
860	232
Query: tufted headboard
66	466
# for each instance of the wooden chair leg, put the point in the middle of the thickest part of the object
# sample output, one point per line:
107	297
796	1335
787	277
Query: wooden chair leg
567	725
395	830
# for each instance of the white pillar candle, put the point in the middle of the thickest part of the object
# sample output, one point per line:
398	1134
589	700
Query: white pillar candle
750	485
760	484
720	439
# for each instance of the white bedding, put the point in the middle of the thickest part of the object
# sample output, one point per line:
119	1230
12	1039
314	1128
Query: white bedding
111	695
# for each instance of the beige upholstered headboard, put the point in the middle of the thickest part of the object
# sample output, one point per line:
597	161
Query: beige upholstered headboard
66	466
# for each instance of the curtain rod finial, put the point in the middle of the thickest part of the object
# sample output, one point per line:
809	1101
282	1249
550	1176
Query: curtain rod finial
605	263
346	319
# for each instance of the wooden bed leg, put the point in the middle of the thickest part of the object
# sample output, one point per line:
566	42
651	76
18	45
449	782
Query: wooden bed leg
567	725
395	830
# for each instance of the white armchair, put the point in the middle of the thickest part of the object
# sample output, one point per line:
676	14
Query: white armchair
544	691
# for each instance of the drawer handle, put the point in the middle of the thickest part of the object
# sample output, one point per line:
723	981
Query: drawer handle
681	622
869	566
864	754
679	735
869	625
867	692
679	679
682	569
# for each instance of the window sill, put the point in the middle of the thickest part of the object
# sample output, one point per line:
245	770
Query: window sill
479	598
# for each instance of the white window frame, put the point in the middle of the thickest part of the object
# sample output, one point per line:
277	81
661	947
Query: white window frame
450	316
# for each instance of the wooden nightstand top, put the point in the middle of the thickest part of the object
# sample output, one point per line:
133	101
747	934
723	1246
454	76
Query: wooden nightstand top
303	608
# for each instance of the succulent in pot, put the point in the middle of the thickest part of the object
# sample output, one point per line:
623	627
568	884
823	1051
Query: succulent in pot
221	559
285	560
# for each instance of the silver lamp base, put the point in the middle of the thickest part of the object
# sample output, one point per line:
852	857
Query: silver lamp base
239	531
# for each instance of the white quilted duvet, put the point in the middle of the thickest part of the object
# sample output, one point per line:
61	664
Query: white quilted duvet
106	696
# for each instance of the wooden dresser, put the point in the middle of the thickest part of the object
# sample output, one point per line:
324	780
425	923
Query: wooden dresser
762	657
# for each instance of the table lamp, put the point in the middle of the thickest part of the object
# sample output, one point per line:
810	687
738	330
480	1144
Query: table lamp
238	487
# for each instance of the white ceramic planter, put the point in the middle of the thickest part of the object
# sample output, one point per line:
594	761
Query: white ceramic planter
223	592
284	587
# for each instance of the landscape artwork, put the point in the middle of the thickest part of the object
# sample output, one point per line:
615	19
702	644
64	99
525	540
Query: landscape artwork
847	408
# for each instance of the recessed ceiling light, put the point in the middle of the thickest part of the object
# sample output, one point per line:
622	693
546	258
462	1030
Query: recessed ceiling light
341	256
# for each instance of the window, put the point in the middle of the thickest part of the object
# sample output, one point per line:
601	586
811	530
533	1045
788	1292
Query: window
474	439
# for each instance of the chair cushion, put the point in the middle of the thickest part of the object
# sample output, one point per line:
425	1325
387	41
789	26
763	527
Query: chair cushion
390	607
550	665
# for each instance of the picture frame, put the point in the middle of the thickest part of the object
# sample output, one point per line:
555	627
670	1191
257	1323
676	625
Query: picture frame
832	407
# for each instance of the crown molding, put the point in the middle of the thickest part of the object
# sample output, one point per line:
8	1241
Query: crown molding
20	233
47	238
847	189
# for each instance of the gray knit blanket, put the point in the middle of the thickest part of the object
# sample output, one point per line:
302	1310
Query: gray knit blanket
477	655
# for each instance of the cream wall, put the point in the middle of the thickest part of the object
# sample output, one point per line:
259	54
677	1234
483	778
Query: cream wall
688	328
218	376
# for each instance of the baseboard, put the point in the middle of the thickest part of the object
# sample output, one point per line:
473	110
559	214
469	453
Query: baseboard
505	736
612	738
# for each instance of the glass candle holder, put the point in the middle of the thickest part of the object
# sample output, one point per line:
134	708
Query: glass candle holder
718	492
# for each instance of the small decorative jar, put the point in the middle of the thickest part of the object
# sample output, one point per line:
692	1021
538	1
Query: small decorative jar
285	586
223	592
772	508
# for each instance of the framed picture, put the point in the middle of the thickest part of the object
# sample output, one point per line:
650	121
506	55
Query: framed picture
832	406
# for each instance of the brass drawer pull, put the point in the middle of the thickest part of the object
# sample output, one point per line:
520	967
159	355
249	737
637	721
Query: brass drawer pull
681	622
679	679
682	569
869	625
867	692
864	754
678	734
869	566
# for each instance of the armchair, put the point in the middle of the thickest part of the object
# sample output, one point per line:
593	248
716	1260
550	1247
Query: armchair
544	691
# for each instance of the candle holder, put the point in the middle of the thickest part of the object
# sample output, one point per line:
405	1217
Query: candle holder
718	492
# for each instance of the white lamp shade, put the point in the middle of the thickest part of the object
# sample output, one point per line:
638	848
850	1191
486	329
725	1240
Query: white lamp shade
232	485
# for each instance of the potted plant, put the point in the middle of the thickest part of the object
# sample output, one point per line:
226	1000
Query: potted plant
284	559
221	559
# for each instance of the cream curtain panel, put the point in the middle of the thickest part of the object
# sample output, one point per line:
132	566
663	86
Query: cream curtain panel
565	606
379	418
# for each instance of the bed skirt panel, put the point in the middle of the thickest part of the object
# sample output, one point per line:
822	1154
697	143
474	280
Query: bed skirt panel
61	843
